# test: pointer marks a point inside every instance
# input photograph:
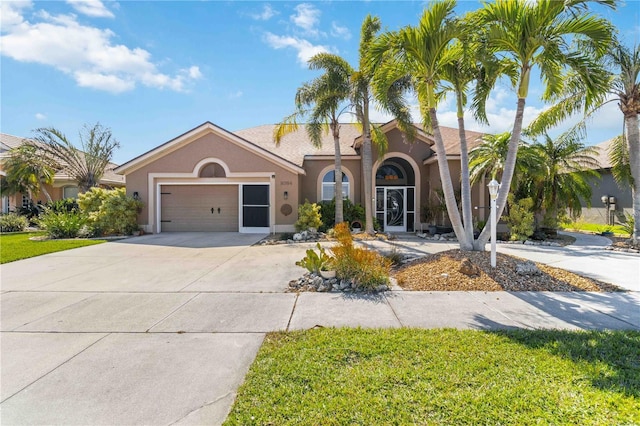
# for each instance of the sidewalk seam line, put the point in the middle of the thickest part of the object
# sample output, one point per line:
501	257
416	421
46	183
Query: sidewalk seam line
295	303
393	310
54	312
54	368
172	312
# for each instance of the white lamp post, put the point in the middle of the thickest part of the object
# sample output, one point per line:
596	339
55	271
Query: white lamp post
494	186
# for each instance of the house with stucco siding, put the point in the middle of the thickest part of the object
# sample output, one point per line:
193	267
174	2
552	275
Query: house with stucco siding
211	179
63	186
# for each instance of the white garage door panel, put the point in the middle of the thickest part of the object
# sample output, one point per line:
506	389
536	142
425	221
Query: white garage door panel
188	208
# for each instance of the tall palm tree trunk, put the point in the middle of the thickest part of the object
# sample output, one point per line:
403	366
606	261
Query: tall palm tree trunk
367	168
633	142
507	174
465	181
447	186
339	218
46	193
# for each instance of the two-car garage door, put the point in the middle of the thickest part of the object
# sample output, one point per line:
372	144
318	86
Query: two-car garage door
213	208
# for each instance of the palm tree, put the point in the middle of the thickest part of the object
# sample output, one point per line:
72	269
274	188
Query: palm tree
28	171
488	158
621	86
86	164
421	53
361	82
552	36
567	164
321	101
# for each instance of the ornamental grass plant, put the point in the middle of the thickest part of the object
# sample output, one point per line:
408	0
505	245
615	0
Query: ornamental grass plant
366	268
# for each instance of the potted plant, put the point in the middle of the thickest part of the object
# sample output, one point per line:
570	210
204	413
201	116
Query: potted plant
328	269
356	226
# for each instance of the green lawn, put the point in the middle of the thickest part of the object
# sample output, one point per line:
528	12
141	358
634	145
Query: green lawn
16	246
449	377
595	227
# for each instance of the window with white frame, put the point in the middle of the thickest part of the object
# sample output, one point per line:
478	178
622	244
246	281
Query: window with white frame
25	201
329	185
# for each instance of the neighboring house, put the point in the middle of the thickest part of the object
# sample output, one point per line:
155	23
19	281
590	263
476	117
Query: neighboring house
210	179
606	186
63	186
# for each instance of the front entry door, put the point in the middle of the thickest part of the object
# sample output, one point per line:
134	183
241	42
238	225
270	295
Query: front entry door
395	208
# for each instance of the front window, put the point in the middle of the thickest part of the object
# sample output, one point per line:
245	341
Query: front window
26	202
329	186
70	192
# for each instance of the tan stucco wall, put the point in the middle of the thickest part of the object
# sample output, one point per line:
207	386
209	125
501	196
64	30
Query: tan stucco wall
237	158
313	168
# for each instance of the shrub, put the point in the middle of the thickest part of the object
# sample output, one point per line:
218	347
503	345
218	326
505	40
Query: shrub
316	262
64	224
31	212
12	222
110	211
366	268
351	212
308	216
66	205
628	224
520	218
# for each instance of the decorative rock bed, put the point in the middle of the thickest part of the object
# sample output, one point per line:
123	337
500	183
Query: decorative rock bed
451	236
315	283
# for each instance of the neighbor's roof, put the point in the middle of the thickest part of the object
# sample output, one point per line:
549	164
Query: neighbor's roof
603	154
109	177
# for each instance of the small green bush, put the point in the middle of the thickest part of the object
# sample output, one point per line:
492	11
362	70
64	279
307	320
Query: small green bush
66	205
64	224
366	268
629	224
308	216
351	212
520	218
12	222
316	262
110	212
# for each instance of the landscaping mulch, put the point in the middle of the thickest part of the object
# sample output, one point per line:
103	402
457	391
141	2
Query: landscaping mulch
440	272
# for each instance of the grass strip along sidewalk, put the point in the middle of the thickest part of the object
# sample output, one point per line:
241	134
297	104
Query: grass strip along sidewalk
17	246
411	376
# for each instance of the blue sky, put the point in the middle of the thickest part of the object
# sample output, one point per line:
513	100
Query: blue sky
152	70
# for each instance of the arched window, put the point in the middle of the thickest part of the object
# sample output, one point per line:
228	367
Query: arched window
329	185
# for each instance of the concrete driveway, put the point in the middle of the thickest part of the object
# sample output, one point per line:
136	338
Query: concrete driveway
161	329
95	335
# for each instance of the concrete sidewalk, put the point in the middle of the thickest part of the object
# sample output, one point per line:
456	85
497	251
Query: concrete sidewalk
162	329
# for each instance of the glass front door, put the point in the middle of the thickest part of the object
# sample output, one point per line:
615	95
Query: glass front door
395	208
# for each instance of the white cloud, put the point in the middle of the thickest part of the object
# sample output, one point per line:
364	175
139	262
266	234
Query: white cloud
266	13
40	116
86	53
11	13
305	49
235	95
93	8
306	17
340	32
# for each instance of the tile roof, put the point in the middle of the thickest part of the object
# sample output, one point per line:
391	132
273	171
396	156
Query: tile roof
603	154
109	177
296	146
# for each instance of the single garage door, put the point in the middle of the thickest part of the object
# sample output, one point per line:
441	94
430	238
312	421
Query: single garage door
203	208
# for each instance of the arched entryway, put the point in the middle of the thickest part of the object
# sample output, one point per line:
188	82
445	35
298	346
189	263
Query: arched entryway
395	198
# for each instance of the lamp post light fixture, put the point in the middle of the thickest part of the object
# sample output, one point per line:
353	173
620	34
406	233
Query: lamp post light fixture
494	186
